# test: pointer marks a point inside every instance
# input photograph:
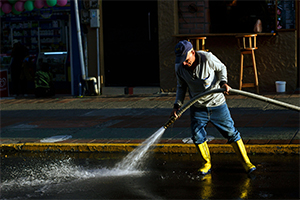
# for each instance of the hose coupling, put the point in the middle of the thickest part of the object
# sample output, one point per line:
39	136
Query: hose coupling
170	122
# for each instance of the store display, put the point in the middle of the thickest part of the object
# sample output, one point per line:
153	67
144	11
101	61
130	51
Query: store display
45	37
4	90
56	61
62	2
51	2
28	5
6	8
18	6
286	18
38	4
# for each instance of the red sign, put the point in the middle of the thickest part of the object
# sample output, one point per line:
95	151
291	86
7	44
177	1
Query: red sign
3	83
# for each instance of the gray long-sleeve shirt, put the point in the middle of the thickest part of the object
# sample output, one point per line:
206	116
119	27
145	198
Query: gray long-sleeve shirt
206	76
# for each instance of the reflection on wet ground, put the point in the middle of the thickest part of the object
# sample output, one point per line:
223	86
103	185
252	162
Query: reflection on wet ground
170	176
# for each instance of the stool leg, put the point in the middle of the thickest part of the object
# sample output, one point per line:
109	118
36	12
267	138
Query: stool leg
197	45
241	71
255	71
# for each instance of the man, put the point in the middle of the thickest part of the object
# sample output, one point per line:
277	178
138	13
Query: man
201	71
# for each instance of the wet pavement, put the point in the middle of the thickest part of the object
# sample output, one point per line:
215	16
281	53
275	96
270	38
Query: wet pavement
116	124
164	176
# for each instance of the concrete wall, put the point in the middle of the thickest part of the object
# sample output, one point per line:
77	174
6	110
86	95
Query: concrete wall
167	27
193	17
275	60
92	51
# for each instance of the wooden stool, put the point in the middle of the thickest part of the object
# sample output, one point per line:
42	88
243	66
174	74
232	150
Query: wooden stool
196	43
247	46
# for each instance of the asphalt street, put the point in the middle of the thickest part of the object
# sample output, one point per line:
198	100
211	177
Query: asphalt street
164	176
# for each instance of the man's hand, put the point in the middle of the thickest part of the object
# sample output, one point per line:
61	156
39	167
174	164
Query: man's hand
174	113
227	87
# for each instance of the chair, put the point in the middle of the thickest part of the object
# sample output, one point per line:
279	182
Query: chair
247	45
196	43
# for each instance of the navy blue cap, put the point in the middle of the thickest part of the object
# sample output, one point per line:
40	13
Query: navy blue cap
181	50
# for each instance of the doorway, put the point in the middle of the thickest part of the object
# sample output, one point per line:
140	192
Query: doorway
130	34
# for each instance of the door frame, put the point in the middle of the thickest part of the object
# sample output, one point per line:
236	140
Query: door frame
102	49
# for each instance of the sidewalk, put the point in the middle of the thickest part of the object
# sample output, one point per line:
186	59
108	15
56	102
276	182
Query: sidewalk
120	123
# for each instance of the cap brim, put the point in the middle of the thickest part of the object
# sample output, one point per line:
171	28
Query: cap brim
180	59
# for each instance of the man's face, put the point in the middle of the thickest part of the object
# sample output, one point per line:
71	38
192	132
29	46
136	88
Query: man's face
190	59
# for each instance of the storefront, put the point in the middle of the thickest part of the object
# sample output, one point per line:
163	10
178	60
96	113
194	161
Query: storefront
45	34
135	48
220	22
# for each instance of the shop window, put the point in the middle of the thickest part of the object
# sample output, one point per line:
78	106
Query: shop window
240	16
285	15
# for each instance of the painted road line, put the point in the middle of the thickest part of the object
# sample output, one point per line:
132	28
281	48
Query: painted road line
160	148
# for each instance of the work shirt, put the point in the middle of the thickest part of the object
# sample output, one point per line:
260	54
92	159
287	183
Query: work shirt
207	75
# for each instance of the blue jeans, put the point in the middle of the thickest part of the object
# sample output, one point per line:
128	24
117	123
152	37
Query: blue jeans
219	116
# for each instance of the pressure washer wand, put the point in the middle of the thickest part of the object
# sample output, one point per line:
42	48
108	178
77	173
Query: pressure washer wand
170	122
240	92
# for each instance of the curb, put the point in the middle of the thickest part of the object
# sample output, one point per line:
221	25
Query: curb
160	148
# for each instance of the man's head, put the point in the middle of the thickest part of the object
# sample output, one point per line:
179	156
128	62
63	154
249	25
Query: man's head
185	53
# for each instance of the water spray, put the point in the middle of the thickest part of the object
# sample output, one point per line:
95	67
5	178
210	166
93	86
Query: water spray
240	92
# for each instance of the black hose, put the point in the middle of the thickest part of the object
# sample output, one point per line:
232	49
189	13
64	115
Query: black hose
255	96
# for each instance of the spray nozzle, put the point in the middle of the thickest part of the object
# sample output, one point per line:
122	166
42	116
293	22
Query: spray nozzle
170	121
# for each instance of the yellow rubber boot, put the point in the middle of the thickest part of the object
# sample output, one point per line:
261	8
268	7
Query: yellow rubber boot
240	150
204	152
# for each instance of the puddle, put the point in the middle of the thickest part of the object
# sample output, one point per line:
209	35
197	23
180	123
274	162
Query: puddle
57	138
